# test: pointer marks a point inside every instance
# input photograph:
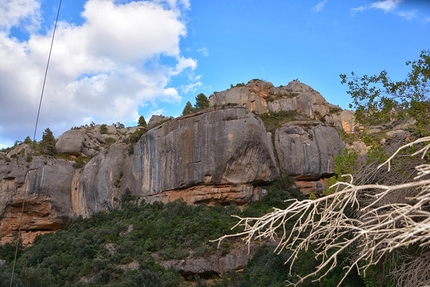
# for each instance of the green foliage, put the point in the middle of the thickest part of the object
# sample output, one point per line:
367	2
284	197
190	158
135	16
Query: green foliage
377	99
119	125
28	140
135	136
188	109
109	141
279	191
36	276
202	102
81	161
274	120
237	85
141	122
103	129
96	247
344	164
47	144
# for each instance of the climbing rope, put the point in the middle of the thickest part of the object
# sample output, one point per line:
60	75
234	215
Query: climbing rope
34	140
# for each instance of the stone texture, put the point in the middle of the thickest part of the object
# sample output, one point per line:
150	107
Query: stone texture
44	187
213	156
251	96
156	120
262	97
218	265
307	152
71	142
343	120
212	194
96	187
217	147
301	98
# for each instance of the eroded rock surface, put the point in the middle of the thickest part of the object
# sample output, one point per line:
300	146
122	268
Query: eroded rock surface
307	150
217	147
43	187
214	156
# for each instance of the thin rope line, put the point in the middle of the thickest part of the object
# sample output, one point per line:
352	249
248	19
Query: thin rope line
34	139
46	72
18	238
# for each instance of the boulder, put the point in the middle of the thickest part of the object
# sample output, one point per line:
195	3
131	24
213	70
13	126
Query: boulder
307	152
156	120
71	142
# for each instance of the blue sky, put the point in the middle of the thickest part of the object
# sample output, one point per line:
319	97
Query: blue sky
115	60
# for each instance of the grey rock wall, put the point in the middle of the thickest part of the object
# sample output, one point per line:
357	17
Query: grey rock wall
307	152
227	146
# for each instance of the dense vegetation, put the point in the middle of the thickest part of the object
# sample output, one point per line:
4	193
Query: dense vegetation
101	250
378	99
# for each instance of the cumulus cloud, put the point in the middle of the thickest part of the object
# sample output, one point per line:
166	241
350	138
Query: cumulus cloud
101	70
19	12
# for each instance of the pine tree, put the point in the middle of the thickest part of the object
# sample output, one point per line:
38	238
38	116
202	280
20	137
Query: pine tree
202	102
188	109
141	122
47	143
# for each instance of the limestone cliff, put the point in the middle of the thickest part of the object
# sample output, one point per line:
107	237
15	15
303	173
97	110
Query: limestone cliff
213	156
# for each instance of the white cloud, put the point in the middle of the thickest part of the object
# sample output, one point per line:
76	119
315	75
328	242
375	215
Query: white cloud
204	51
102	70
357	9
386	5
319	7
14	12
408	15
427	20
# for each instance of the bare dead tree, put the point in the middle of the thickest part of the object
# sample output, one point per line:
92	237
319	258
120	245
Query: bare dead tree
358	218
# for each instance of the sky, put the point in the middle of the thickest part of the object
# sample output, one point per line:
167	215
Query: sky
115	60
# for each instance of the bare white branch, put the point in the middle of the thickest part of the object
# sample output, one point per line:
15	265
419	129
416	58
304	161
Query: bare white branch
340	222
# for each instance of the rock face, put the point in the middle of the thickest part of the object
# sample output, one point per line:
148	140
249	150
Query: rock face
307	152
262	97
97	186
214	156
43	186
210	149
71	142
217	265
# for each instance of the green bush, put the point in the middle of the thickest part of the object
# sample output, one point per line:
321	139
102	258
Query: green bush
103	129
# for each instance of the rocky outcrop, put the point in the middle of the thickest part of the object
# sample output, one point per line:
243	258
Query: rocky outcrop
96	187
213	265
217	147
262	97
71	142
306	150
214	156
41	189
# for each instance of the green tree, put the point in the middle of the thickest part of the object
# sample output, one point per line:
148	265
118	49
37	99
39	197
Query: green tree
202	102
188	109
48	142
377	99
141	122
28	140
